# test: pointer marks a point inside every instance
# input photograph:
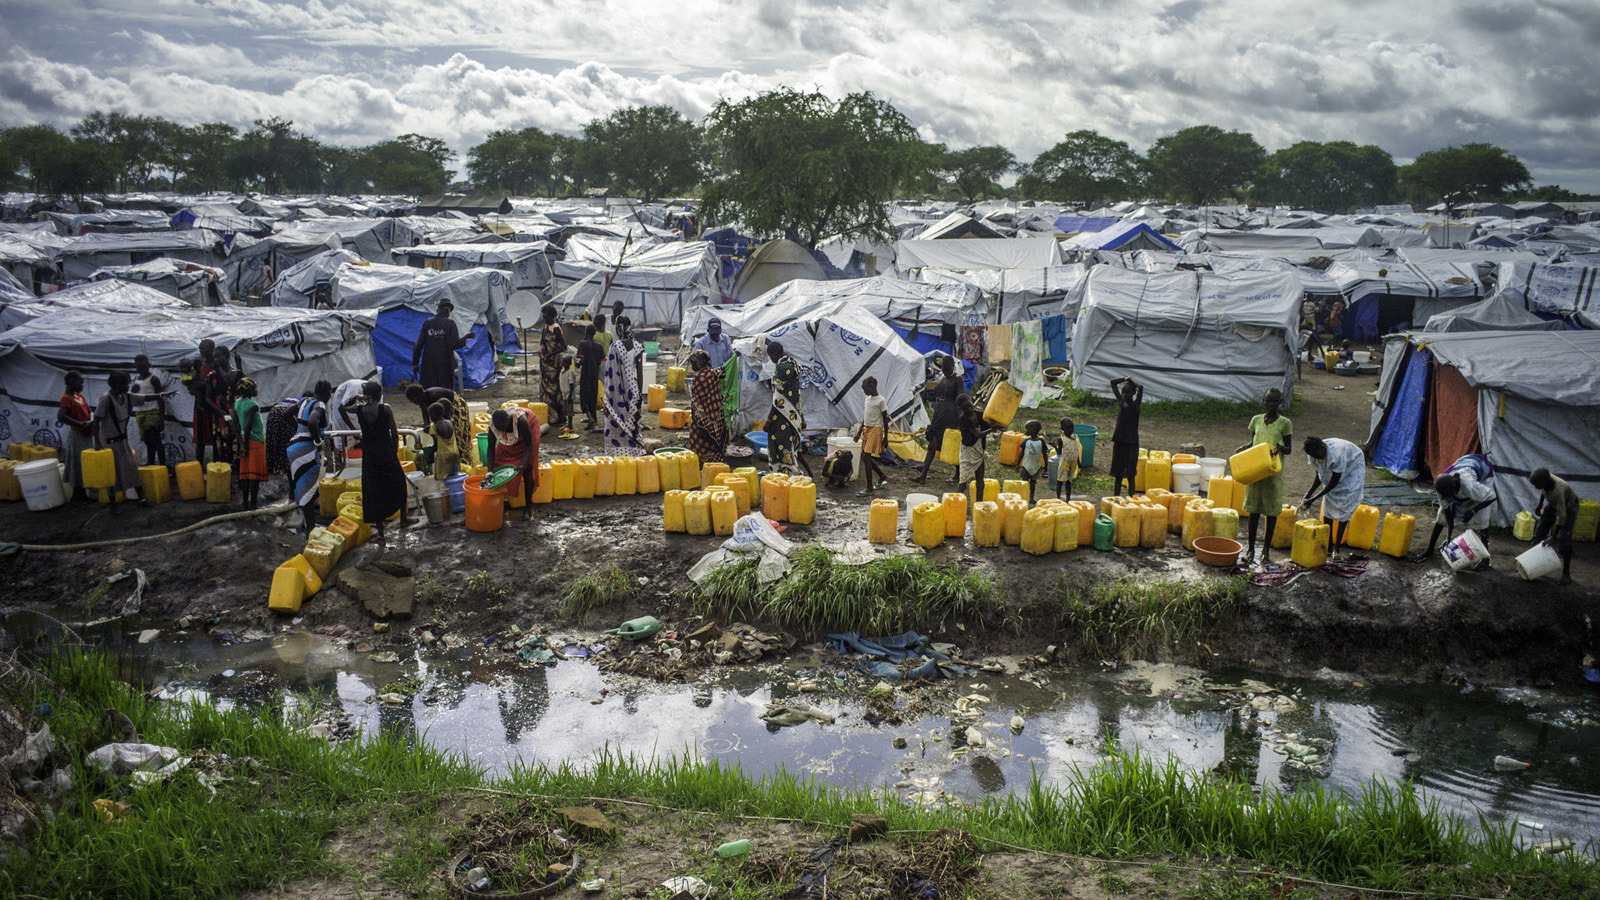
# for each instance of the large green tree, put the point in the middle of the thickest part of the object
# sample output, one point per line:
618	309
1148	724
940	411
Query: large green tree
275	158
806	167
137	143
514	162
1084	167
1330	177
649	150
1203	164
975	170
1475	171
204	150
409	164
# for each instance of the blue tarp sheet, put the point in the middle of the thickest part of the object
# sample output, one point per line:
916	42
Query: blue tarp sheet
1401	440
885	652
1053	329
396	333
1361	320
732	250
926	342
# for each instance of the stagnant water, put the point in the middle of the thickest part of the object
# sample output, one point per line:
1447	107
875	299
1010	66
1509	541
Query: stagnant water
1340	733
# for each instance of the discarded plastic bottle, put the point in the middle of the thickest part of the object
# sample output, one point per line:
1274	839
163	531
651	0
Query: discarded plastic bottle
733	848
477	878
1506	762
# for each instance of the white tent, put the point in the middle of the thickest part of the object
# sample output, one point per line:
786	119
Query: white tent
1557	290
657	284
1290	240
1017	295
908	306
527	265
118	296
192	283
1187	335
1013	253
835	349
284	351
405	297
80	257
773	264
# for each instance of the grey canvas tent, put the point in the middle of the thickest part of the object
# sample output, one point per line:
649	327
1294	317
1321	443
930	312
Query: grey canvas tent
1524	398
1187	335
285	351
772	264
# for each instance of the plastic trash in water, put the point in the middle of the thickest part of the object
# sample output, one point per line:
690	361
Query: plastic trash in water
733	848
1507	763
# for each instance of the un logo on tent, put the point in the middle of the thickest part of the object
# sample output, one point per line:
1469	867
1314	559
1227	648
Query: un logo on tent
47	437
275	339
5	425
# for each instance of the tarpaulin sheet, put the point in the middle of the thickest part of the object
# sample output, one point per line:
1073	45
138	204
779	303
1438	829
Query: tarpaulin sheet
396	335
1401	441
907	305
1009	253
1557	289
1452	419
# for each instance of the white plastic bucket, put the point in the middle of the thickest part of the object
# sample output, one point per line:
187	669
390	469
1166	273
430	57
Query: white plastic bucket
1536	562
1211	467
842	441
649	373
1186	478
1361	356
1464	552
41	484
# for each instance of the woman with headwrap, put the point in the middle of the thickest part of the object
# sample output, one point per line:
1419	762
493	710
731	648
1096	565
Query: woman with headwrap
784	420
708	427
624	403
552	344
305	460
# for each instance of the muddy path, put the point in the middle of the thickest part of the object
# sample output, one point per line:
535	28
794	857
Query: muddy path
1398	620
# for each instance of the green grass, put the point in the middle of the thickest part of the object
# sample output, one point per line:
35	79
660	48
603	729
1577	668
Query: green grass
1140	618
886	596
612	586
268	824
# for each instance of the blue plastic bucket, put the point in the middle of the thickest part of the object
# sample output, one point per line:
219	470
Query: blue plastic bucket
457	486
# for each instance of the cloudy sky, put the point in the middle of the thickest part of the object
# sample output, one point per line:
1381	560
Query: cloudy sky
1408	76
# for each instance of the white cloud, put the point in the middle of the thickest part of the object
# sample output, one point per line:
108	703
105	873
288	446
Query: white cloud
1405	76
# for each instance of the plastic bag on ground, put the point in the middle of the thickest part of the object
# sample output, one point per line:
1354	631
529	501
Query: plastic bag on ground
125	759
711	562
752	532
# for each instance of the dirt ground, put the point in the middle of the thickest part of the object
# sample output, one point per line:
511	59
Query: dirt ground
401	858
1398	620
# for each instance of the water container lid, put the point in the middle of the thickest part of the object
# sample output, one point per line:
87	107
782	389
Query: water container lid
1185	468
37	465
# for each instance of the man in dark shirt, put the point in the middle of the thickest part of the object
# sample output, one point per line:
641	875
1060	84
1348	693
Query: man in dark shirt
590	358
433	359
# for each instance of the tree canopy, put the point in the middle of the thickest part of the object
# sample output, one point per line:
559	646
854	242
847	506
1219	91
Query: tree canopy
1475	171
1084	167
1203	164
1331	177
650	150
801	165
975	170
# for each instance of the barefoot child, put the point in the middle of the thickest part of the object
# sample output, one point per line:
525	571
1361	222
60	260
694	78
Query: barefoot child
1035	456
1069	453
974	432
874	432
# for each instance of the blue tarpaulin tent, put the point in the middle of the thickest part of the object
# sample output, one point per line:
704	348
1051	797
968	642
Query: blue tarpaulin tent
1076	224
396	333
1401	442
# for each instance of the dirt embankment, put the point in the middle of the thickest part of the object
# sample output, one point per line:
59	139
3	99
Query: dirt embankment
1398	620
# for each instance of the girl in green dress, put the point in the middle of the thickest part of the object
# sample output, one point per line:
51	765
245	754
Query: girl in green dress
1265	497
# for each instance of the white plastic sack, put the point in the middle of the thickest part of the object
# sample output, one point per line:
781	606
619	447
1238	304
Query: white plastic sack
123	759
753	532
711	562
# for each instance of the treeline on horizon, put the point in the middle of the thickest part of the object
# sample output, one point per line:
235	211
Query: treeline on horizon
784	161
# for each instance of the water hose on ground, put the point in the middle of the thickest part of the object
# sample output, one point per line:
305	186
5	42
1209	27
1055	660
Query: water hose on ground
286	506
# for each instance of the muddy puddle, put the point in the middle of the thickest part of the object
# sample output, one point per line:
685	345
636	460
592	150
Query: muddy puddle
1335	731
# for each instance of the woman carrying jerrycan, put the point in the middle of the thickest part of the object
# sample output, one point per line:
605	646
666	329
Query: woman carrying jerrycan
1265	497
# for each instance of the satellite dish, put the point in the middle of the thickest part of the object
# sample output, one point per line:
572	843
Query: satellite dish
524	305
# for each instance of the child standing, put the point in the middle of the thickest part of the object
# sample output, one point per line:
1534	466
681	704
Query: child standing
974	431
874	432
568	386
1069	452
1125	440
1035	454
252	461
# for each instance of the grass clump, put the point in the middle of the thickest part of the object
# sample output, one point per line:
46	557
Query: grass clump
885	596
1137	618
608	587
